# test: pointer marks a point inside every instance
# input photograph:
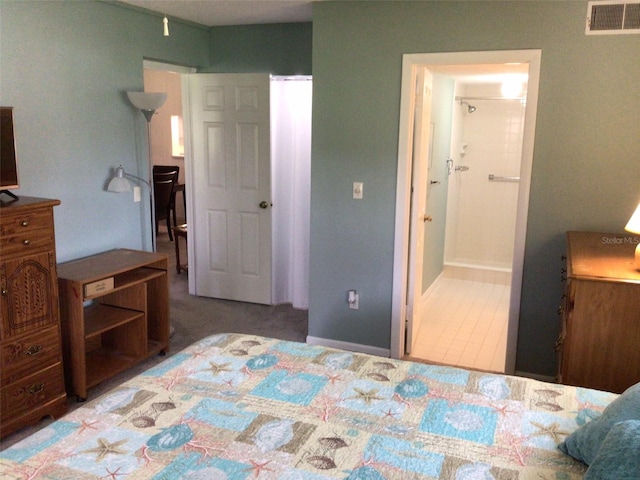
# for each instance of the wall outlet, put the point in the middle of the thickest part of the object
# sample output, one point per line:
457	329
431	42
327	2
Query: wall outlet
136	194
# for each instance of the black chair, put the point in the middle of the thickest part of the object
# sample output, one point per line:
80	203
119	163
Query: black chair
164	179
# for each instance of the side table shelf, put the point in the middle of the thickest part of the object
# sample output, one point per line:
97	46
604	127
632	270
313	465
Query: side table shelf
115	313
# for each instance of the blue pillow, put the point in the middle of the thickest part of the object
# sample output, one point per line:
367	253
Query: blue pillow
584	443
619	454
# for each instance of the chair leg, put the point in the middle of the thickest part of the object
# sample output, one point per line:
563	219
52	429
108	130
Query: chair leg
177	255
169	227
175	220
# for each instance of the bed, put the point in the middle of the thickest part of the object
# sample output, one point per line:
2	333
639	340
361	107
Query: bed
239	407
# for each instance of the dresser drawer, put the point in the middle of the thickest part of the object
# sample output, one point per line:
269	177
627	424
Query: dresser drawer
33	391
29	354
26	242
25	222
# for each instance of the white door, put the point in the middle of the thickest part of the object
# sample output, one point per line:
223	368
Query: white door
230	173
419	217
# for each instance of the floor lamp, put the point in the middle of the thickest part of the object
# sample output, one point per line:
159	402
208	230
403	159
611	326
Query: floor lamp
148	103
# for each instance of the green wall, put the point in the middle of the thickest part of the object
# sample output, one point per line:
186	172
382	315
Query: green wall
279	49
586	162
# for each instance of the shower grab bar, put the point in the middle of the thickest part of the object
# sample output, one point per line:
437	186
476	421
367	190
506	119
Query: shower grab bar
497	178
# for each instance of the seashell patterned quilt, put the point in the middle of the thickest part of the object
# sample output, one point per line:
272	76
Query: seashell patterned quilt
244	407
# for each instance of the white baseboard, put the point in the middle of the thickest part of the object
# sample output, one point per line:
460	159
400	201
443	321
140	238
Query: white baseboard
430	289
352	347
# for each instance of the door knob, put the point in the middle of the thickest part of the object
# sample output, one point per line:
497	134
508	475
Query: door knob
263	204
427	218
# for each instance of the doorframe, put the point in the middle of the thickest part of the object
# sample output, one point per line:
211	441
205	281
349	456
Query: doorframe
403	188
188	174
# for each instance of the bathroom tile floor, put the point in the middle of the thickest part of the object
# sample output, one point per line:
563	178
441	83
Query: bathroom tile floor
464	323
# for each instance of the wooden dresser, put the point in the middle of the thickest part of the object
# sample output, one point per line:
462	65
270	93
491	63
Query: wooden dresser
31	354
599	343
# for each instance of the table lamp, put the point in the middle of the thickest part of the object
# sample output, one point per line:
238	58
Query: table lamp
633	226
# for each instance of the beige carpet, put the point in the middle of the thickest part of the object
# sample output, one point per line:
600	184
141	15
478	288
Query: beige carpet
194	318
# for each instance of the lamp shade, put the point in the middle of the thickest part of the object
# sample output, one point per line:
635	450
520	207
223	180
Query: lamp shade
633	225
147	100
118	183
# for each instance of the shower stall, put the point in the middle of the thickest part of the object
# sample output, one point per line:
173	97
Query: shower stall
483	182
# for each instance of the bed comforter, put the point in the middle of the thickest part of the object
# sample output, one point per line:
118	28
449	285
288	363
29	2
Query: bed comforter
245	407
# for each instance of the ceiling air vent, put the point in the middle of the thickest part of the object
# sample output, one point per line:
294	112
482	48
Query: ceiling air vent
609	17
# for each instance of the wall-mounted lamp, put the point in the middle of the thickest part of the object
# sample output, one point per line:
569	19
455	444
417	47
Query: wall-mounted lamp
119	184
633	226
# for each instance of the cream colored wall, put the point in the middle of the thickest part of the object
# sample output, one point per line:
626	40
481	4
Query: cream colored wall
162	81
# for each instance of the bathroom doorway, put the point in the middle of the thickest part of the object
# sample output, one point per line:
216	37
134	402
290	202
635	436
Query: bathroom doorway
465	165
465	309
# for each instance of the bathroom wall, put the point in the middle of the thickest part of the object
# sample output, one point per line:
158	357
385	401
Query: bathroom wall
482	213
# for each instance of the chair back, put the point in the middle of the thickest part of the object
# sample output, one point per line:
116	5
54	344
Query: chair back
166	169
163	183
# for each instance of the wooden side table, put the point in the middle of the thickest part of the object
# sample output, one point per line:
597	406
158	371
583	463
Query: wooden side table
180	231
115	313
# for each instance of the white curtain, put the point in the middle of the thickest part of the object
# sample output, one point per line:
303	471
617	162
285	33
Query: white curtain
290	186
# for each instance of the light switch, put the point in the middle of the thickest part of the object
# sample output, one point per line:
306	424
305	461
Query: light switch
357	190
136	194
353	299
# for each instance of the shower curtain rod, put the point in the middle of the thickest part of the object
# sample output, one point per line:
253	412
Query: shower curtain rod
489	98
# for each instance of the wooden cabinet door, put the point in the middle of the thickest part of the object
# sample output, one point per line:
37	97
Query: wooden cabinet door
29	294
602	335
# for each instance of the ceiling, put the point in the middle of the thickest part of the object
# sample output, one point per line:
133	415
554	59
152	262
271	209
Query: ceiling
230	12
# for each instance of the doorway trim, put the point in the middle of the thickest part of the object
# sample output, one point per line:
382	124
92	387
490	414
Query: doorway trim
403	189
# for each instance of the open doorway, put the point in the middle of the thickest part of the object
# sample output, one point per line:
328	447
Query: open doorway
464	307
167	143
451	69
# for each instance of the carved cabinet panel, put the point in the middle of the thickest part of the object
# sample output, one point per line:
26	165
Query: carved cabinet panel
30	297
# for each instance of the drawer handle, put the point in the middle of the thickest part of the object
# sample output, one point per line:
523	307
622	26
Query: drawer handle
26	242
36	388
25	223
33	350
